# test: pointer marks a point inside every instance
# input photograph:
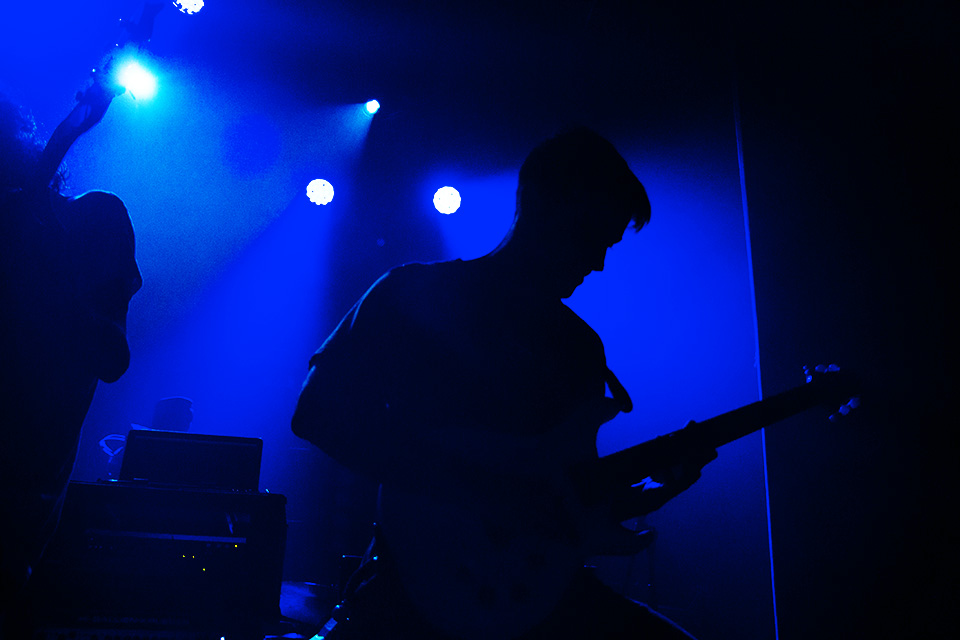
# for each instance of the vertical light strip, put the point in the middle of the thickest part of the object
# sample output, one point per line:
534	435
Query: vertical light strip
756	333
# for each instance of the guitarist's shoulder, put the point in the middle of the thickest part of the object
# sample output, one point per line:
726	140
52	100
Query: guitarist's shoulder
414	274
420	281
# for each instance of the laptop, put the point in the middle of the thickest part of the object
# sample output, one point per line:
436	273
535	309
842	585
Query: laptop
193	460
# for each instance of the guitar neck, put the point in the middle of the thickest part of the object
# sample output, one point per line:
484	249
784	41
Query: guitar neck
632	465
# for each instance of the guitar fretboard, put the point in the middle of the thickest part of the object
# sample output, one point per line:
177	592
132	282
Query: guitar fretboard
635	463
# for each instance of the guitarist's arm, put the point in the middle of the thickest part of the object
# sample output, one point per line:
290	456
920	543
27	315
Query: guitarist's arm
91	106
663	485
355	404
346	414
523	475
93	102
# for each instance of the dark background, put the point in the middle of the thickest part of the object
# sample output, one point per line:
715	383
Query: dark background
851	160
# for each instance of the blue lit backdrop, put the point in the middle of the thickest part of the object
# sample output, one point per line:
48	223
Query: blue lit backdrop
244	276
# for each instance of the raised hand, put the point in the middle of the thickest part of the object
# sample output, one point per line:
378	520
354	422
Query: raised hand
92	104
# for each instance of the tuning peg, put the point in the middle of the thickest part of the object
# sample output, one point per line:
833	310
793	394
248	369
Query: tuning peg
820	368
845	409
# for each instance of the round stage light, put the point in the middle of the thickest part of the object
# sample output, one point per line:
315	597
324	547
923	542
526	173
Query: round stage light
320	191
446	200
372	107
188	6
133	77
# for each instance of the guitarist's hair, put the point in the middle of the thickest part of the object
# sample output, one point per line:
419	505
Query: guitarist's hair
20	148
581	167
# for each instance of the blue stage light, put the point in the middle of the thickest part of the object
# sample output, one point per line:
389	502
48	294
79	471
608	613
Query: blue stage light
133	77
446	200
188	6
372	107
320	191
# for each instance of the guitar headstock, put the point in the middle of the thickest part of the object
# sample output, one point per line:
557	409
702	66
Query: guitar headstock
836	386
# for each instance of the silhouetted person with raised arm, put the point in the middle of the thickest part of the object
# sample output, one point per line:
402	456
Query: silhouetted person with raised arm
67	273
468	390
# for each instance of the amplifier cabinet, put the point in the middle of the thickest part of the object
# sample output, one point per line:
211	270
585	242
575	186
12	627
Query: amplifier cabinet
168	556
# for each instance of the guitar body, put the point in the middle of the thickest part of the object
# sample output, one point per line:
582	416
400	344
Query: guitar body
475	570
495	559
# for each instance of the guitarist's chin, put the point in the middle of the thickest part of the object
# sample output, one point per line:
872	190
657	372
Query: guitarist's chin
567	288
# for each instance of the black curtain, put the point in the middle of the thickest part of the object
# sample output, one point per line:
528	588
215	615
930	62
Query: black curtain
850	139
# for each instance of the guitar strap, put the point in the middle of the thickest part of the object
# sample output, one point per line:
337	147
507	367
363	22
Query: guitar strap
619	392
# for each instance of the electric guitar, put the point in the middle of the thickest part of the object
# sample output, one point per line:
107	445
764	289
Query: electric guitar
479	568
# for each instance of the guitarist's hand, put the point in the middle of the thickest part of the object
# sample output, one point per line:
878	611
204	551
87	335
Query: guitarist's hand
656	490
552	502
92	104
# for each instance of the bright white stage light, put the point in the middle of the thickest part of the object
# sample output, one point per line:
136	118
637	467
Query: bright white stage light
320	191
188	6
446	200
137	80
372	107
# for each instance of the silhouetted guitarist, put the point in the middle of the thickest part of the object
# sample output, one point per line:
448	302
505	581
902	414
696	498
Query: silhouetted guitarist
468	389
